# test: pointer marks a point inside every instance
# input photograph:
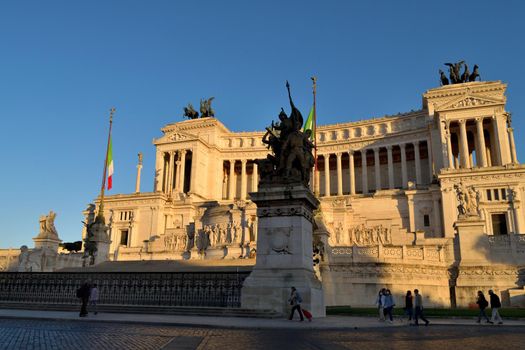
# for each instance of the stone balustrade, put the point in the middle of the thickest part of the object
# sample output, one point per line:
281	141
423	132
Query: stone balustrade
389	254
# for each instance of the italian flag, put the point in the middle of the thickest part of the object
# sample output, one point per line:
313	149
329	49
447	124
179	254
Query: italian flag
309	125
110	164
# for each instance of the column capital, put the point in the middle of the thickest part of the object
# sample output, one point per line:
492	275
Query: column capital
510	129
376	149
243	161
415	143
363	150
479	119
339	154
351	152
402	145
389	147
182	151
462	121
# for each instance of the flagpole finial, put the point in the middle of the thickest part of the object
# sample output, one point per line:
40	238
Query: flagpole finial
111	112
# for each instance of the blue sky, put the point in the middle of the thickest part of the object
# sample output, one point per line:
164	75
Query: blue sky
63	64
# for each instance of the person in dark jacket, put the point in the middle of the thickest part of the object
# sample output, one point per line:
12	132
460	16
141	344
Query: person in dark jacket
482	304
83	293
495	305
409	305
418	304
295	300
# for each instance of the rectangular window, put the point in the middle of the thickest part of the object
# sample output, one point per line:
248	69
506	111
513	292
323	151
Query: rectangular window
496	195
499	224
124	237
489	195
426	220
503	194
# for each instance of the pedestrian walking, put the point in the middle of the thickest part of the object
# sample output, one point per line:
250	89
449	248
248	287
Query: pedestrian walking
379	304
482	305
93	299
295	300
388	304
409	305
83	294
418	306
495	305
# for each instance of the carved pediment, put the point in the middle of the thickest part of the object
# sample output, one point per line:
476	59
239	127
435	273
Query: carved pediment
176	136
469	101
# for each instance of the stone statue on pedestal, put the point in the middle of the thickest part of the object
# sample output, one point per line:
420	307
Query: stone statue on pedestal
292	159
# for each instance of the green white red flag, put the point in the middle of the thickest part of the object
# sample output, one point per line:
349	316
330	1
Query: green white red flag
110	164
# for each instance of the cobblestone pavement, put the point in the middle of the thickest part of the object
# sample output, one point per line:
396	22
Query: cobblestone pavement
48	334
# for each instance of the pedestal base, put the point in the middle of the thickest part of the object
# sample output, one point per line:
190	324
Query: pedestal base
270	290
284	251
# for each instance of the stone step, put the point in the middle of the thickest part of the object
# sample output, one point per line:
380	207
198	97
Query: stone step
161	310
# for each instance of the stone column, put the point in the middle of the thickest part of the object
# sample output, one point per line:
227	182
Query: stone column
327	175
159	171
317	185
497	160
377	167
503	138
182	154
404	175
430	156
513	156
364	172
339	174
463	144
177	176
417	161
255	177
449	148
139	169
231	189
243	179
171	165
390	167
351	171
481	152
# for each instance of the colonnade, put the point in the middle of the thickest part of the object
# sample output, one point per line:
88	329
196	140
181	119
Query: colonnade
496	153
231	178
173	171
377	168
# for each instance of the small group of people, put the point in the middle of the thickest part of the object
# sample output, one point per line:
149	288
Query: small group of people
495	305
413	306
88	294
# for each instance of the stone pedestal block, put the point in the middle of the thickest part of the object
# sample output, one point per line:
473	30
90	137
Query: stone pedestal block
473	242
284	250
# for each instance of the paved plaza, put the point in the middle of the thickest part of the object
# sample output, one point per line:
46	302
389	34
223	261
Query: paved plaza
48	330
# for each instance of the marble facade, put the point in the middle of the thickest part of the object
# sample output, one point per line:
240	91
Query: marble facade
388	206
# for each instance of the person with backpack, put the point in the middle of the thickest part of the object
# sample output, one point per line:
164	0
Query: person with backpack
482	304
83	294
295	300
495	305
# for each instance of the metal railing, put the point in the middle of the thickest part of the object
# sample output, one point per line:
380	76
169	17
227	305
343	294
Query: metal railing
208	289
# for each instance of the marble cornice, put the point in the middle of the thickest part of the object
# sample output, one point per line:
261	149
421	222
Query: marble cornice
465	88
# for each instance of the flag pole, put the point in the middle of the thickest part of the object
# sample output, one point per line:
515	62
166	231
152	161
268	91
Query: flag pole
100	215
314	127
